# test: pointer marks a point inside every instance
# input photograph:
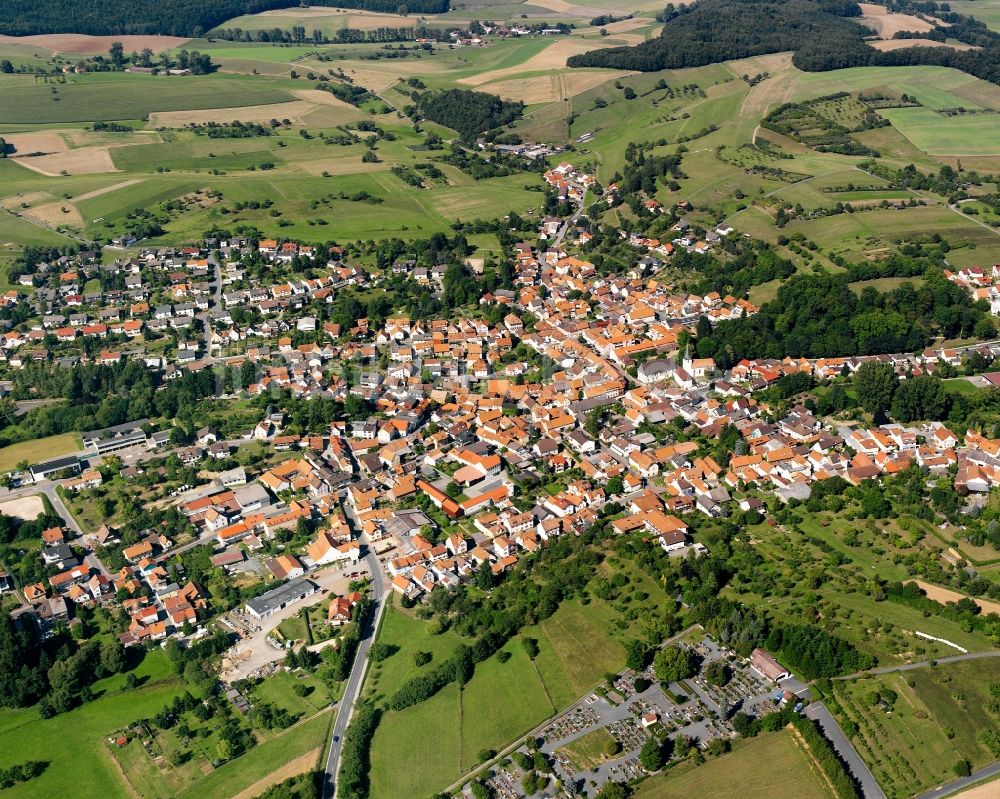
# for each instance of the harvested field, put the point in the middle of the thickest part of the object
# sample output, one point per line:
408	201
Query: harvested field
96	138
943	595
549	88
552	57
885	24
292	768
15	201
625	25
39	142
81	43
341	166
295	110
55	214
26	508
376	20
321	98
82	161
562	7
898	44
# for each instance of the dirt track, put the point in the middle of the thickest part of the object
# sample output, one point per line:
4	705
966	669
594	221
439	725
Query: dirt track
939	594
291	769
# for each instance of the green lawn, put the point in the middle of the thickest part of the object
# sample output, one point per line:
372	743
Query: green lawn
80	764
502	701
576	649
932	724
403	629
772	764
589	751
39	450
417	752
959	385
278	690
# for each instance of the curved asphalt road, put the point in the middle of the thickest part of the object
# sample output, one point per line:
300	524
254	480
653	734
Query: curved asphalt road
353	687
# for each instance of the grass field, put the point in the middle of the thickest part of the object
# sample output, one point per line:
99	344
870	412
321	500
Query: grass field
106	96
80	763
775	764
424	748
932	724
944	135
987	11
262	760
590	750
39	450
402	629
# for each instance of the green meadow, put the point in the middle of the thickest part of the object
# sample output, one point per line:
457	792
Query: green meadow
74	743
110	96
912	743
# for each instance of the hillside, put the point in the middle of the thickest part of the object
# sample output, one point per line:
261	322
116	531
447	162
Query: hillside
823	35
170	17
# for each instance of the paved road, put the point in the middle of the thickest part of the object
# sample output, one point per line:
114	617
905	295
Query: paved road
869	786
353	688
570	222
992	770
921	664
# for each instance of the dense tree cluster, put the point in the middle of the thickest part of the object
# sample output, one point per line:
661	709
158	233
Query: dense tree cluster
820	316
352	777
102	396
22	772
722	30
467	112
752	263
820	32
174	17
814	652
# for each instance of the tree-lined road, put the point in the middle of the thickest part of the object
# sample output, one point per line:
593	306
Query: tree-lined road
353	688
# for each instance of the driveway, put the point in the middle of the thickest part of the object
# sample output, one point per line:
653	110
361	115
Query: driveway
254	653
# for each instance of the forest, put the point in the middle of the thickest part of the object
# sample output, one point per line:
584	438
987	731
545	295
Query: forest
721	30
467	112
820	32
169	17
817	316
